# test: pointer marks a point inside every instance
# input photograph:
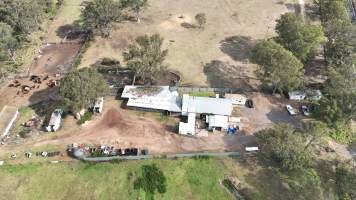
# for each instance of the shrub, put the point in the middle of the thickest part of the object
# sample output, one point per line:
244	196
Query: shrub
86	117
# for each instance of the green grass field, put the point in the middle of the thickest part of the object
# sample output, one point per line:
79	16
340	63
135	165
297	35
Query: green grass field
186	179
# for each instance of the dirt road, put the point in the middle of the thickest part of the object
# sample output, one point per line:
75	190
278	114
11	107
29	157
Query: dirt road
123	129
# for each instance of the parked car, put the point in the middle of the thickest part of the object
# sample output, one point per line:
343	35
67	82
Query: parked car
249	103
290	110
305	110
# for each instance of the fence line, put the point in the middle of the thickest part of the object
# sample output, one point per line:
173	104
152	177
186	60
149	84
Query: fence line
169	156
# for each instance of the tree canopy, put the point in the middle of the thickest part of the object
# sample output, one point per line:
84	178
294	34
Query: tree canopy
24	16
299	38
146	57
136	6
285	146
98	16
278	66
81	88
151	180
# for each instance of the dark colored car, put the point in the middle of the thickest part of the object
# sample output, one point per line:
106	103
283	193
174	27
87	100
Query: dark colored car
249	103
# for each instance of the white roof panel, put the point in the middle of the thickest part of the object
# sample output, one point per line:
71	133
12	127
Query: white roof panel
206	105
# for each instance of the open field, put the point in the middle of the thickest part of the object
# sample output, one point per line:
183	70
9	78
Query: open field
192	50
186	179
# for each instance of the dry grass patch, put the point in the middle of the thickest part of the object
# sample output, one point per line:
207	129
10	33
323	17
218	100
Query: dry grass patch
191	48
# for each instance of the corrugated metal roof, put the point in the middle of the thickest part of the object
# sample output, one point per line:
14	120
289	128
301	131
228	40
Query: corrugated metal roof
164	99
218	121
206	105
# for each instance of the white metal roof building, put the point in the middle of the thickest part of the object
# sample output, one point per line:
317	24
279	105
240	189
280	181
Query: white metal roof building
206	105
159	98
217	121
189	127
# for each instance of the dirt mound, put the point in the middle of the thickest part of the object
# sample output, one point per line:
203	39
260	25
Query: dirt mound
114	119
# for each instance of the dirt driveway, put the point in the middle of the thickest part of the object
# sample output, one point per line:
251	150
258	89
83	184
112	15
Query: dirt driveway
123	128
268	111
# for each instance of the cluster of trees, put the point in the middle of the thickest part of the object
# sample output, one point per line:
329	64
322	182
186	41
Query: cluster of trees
18	18
146	56
99	16
81	88
338	107
291	152
281	59
291	149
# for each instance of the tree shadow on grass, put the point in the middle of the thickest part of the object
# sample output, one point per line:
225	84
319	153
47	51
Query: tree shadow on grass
266	181
238	47
223	75
70	31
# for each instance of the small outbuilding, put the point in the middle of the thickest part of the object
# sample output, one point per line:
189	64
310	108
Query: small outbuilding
297	95
217	122
237	99
98	106
55	121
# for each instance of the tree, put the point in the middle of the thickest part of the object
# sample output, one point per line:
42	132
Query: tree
201	19
150	180
332	9
81	88
24	16
315	132
299	38
146	57
341	44
346	181
136	6
8	42
284	146
278	66
99	16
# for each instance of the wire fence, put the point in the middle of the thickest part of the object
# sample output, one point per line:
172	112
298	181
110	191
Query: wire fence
168	156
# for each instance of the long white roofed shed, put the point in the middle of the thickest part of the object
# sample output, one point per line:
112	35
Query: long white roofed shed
152	97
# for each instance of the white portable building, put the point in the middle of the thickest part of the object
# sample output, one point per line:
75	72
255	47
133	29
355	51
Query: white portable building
55	121
98	106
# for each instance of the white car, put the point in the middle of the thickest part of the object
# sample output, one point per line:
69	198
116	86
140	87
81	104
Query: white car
305	110
290	110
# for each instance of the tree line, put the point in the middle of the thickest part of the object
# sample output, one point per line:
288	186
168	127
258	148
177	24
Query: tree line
338	107
99	16
293	152
18	19
283	59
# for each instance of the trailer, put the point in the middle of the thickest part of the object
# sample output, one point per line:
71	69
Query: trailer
55	121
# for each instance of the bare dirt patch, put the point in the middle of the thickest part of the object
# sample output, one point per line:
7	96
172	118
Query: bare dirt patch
55	58
124	129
